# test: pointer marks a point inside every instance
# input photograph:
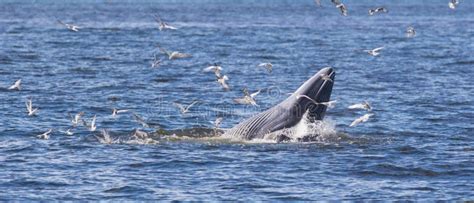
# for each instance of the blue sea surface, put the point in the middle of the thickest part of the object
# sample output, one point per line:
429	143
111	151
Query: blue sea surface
418	145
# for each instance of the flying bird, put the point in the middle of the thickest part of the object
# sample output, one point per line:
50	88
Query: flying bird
361	119
156	62
365	106
248	99
67	132
163	25
267	66
45	135
16	86
453	4
374	52
92	127
115	112
328	104
29	108
376	10
184	109
76	119
174	54
140	120
411	32
340	6
214	68
222	81
71	27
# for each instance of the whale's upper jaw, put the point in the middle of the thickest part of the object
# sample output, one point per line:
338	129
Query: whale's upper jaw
318	89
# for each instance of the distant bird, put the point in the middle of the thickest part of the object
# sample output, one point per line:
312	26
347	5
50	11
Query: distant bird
248	99
29	108
222	81
365	106
214	68
374	52
267	66
76	119
163	25
361	119
138	134
184	109
45	135
16	86
67	132
328	104
376	10
106	138
115	112
340	6
156	62
411	32
71	27
453	4
140	120
318	2
174	55
92	127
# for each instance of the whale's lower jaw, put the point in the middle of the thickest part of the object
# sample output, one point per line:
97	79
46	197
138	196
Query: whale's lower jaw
289	113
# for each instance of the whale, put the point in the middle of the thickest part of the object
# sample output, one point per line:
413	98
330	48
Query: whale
307	102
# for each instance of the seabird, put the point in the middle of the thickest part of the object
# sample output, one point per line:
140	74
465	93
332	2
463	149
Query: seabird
365	106
376	10
16	86
267	66
67	132
117	111
248	99
45	136
361	119
71	27
156	62
140	120
328	104
138	134
214	68
411	32
184	109
163	25
29	107
453	4
174	55
76	119
340	6
92	127
374	52
221	80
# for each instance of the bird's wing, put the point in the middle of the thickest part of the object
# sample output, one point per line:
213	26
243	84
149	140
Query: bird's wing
180	106
355	122
356	106
190	105
378	49
210	68
337	2
122	111
255	93
309	98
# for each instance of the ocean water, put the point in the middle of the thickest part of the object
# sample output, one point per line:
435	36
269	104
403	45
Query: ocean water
418	145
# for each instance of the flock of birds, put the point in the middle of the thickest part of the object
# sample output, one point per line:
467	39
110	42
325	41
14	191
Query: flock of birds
247	99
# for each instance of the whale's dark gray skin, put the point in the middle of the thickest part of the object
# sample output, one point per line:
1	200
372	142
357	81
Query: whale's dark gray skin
289	112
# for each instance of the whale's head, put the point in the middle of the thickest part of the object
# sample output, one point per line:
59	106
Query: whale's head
312	93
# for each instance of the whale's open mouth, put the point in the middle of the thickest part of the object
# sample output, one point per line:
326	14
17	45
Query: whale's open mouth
315	92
